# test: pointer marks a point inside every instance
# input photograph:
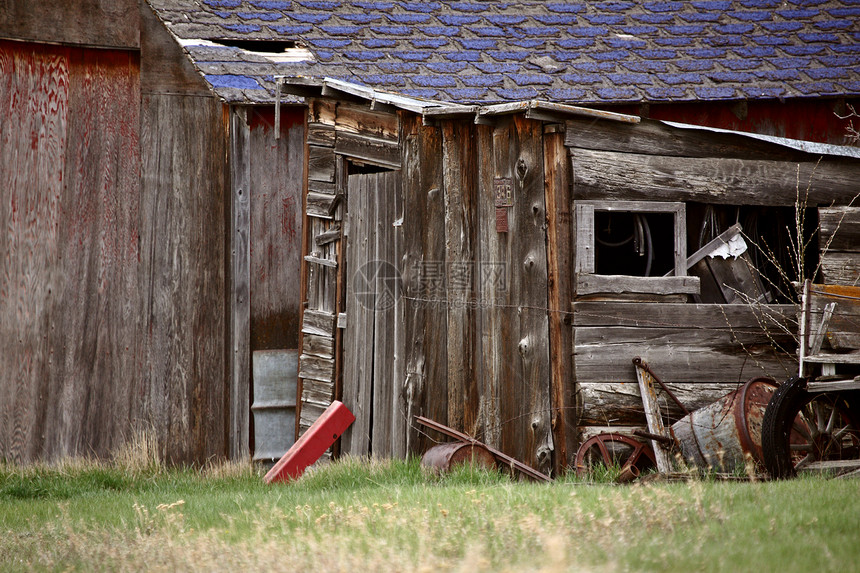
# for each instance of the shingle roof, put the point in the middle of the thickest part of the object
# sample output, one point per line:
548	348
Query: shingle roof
571	52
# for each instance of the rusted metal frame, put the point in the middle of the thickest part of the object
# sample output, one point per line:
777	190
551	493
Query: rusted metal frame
511	462
657	437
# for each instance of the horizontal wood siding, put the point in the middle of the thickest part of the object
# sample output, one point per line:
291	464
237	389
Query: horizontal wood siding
598	175
840	245
92	23
701	351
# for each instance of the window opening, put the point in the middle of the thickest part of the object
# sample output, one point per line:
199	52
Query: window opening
633	243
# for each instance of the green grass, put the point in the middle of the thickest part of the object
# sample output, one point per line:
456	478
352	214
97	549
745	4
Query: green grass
389	516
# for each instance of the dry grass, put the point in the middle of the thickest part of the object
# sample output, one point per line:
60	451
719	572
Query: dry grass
359	515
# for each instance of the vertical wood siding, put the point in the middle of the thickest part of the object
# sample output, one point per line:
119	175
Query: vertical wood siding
112	240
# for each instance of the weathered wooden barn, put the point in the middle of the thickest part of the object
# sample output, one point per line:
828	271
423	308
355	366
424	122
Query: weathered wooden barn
475	212
128	303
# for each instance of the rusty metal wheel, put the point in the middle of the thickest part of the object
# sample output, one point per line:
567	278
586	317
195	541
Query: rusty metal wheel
802	428
614	450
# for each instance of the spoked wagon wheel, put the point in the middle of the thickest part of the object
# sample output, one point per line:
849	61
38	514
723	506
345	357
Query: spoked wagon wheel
614	450
800	428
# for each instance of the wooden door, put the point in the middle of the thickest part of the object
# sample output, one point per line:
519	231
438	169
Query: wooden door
373	301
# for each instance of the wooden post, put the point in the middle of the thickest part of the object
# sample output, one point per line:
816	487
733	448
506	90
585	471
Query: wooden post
559	282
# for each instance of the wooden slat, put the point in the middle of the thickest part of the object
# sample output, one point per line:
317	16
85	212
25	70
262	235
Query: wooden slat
587	284
648	394
240	288
630	176
321	164
382	189
275	227
840	229
424	325
843	327
619	403
318	322
379	151
460	197
358	338
841	268
780	319
681	355
315	368
559	279
316	345
359	119
526	406
321	205
321	134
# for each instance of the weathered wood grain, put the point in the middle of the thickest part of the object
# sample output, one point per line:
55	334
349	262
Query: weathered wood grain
423	248
778	318
559	281
841	268
458	156
276	172
318	322
375	150
121	258
385	188
840	228
240	287
619	403
632	176
587	284
524	385
360	295
359	119
321	164
91	23
655	138
681	355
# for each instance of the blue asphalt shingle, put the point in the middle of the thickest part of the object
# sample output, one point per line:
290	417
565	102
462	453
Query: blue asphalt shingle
479	51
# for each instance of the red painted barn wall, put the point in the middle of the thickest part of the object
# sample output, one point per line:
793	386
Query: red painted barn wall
69	217
812	119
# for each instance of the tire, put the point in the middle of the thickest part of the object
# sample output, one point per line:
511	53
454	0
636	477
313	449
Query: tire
776	427
799	427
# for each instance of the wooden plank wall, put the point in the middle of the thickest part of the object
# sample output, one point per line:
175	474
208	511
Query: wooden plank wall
701	351
70	217
185	189
113	280
471	338
839	243
91	23
480	362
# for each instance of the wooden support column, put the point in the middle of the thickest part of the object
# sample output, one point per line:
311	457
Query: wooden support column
559	281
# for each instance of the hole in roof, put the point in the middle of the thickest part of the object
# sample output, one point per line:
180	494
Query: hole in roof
262	46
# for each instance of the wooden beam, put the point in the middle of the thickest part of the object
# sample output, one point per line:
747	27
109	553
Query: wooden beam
626	176
559	281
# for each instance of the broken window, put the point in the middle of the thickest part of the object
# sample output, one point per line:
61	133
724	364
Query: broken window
635	247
